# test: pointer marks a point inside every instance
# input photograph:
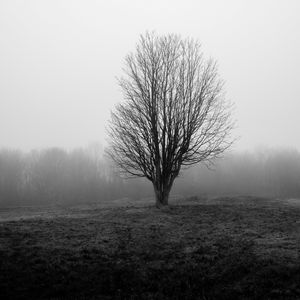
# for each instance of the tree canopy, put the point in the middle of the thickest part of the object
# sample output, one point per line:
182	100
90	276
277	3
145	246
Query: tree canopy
174	112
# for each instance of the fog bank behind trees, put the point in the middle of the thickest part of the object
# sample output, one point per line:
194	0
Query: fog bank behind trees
57	177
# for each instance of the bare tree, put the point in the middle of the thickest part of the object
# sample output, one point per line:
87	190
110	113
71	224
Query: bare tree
174	113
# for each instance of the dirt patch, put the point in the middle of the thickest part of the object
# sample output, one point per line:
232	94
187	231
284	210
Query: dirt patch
227	248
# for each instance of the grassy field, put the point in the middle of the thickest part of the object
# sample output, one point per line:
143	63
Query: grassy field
223	248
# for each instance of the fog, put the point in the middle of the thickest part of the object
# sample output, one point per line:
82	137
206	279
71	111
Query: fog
71	227
57	177
60	59
58	84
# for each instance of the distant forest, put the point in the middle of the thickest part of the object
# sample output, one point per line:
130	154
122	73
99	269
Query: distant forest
57	177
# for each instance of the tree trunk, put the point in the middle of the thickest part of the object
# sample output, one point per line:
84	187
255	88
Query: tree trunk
162	195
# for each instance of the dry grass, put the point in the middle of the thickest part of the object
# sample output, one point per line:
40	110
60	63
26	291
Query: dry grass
225	248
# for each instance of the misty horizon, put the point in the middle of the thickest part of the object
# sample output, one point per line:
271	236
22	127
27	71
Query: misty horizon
149	149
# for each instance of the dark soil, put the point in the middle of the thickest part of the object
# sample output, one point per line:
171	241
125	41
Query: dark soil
229	248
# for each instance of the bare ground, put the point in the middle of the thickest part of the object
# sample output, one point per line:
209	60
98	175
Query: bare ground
219	248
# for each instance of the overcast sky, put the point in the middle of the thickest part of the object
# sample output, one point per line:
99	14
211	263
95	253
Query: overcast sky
59	61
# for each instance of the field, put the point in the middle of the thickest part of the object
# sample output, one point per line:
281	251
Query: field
220	248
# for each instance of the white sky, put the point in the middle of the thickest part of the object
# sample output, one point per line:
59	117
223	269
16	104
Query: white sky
59	60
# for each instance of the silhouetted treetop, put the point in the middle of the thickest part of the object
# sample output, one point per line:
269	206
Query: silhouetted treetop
174	112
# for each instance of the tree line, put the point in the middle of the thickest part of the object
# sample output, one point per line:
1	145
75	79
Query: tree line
55	176
264	172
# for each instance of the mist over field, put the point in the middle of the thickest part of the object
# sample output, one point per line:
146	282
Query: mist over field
55	176
149	149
